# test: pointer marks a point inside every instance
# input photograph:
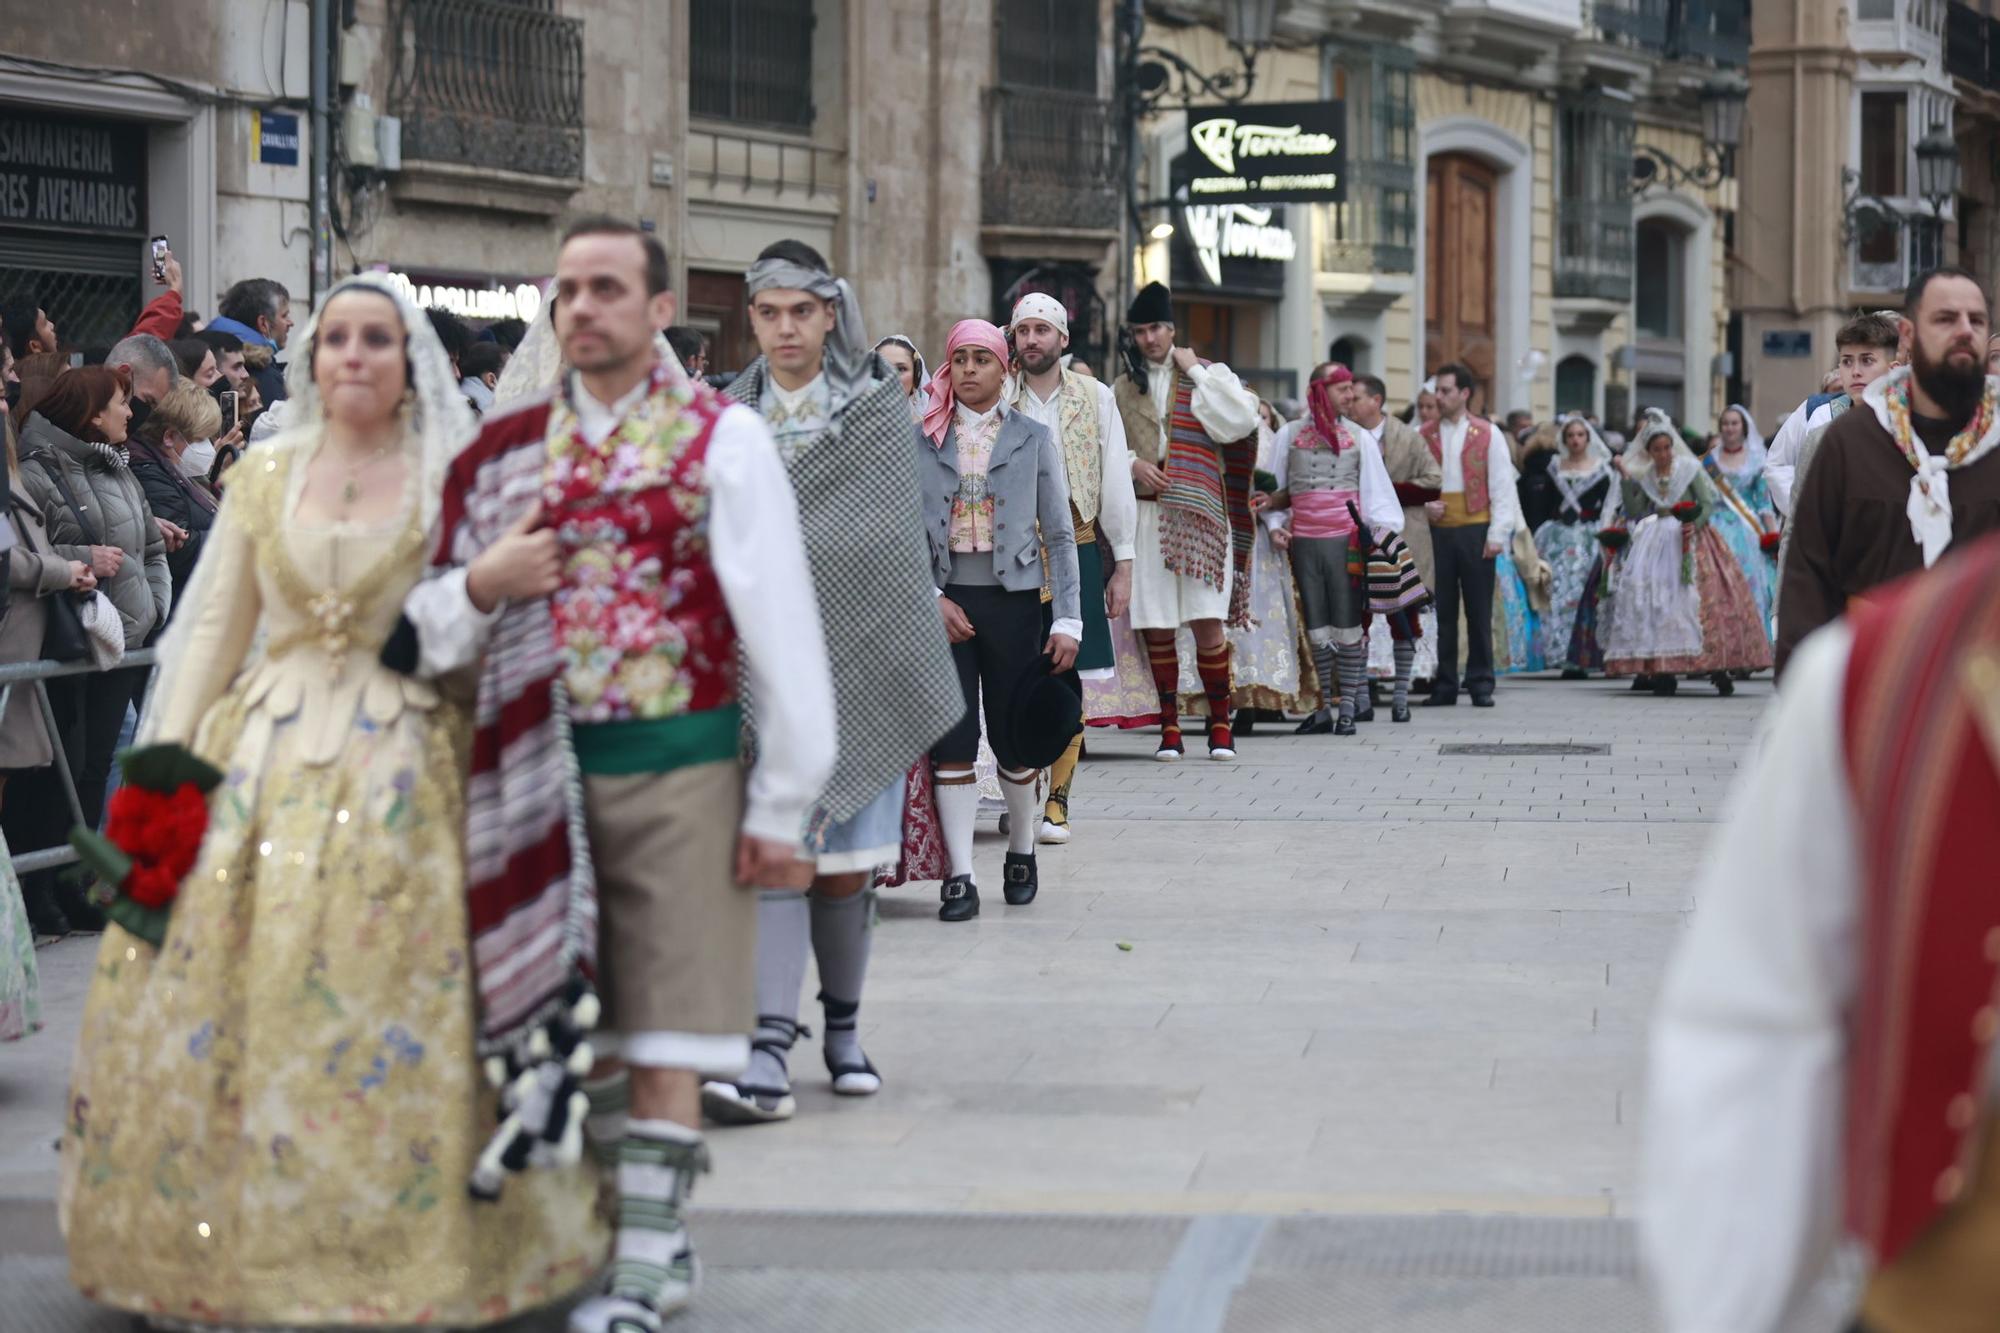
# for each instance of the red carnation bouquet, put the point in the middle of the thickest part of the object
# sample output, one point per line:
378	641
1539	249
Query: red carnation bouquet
156	822
1614	538
1686	511
1770	542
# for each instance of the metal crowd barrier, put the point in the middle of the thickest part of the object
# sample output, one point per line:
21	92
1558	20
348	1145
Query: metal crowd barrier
37	675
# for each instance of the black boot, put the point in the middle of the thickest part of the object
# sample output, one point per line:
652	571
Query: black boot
959	899
1020	880
45	919
1245	722
1664	686
1724	686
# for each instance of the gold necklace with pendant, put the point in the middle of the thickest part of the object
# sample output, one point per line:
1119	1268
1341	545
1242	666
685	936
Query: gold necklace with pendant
350	490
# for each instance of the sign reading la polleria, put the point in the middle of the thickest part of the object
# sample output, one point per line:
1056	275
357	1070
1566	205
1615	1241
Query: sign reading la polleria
1277	152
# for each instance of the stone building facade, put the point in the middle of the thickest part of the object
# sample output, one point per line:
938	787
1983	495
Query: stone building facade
1493	214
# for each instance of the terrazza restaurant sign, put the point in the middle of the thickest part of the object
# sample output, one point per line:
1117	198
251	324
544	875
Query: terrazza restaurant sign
471	298
1279	152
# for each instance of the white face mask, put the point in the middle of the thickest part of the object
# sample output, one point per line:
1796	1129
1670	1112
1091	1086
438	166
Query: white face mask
198	458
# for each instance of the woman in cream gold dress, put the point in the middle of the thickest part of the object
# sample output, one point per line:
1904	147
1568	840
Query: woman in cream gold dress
274	1116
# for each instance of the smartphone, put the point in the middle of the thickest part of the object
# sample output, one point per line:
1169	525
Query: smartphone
159	259
228	400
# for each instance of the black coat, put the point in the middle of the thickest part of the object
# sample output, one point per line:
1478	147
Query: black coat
175	498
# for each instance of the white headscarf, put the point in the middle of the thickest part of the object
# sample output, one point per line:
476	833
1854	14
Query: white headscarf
1572	485
1752	458
437	423
537	365
1639	463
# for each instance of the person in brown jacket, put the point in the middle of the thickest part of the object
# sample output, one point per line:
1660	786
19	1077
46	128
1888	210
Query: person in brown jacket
1909	473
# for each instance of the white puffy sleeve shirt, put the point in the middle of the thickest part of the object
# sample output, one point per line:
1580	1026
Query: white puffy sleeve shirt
1740	1174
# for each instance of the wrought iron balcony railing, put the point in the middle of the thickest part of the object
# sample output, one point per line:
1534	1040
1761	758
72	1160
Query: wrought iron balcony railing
1594	248
1374	231
486	83
1051	160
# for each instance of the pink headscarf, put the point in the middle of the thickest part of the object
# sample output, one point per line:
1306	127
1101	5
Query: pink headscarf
965	333
1325	416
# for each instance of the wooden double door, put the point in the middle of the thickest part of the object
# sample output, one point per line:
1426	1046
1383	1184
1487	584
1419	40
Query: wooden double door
1461	196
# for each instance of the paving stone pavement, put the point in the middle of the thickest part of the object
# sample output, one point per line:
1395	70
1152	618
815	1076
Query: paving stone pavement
1356	983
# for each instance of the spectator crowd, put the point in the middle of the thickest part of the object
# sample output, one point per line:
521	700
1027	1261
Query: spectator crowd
117	458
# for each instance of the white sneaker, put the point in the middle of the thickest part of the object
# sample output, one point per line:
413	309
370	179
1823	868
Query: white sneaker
1053	832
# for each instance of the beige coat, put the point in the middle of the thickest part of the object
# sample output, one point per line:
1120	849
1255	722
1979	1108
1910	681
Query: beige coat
34	571
1410	463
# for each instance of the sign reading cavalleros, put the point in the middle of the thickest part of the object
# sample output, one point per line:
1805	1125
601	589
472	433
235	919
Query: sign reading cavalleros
1278	152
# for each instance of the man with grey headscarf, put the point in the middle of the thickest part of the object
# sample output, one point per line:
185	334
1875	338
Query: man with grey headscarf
842	423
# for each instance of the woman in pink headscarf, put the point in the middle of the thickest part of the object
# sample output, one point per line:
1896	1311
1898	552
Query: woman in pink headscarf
991	478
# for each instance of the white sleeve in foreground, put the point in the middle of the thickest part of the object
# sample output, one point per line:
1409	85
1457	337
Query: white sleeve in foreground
1117	503
1501	492
1281	469
760	561
1740	1193
452	633
1380	508
1782	459
1225	409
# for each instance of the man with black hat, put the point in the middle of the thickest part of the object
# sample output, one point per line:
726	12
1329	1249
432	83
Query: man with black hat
1190	425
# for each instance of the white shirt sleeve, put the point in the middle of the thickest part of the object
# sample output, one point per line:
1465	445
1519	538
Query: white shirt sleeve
1740	1173
760	561
1225	409
1281	458
1117	503
1501	493
1782	459
1380	508
452	633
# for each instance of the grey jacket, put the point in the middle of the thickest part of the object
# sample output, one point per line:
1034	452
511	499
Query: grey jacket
142	589
1029	487
34	572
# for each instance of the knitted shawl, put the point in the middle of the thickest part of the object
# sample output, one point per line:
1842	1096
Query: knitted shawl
895	690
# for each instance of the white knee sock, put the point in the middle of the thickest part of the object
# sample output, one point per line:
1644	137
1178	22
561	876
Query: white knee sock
958	809
1023	822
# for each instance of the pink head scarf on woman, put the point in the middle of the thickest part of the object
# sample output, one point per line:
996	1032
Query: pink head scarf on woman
1325	415
965	333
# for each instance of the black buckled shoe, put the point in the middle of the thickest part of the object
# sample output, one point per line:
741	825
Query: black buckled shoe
959	899
1344	727
1399	713
1319	724
1021	880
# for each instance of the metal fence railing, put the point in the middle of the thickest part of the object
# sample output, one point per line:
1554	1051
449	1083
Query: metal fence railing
36	676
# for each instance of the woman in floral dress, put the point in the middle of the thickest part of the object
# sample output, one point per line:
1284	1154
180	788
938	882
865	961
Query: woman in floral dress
1747	516
1586	484
1680	604
274	1115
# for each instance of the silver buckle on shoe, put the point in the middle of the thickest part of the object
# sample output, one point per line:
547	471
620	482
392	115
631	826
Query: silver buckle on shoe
955	890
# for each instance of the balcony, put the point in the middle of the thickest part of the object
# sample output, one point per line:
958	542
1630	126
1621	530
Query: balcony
1594	250
1972	46
1900	30
739	166
1374	231
489	86
1711	32
1051	161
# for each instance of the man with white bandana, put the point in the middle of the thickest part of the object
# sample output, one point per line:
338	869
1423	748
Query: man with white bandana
1082	416
1907	474
839	416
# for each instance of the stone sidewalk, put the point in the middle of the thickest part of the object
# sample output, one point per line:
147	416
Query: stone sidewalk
1357	980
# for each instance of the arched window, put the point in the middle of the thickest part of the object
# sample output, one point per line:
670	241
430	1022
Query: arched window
1351	352
1576	384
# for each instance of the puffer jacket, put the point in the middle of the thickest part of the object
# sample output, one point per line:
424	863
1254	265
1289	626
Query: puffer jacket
34	573
142	589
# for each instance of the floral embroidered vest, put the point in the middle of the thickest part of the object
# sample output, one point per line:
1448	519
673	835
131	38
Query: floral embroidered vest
641	625
1082	444
1471	462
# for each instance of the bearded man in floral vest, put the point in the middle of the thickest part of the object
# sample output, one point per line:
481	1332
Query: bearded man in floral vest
621	558
1192	428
